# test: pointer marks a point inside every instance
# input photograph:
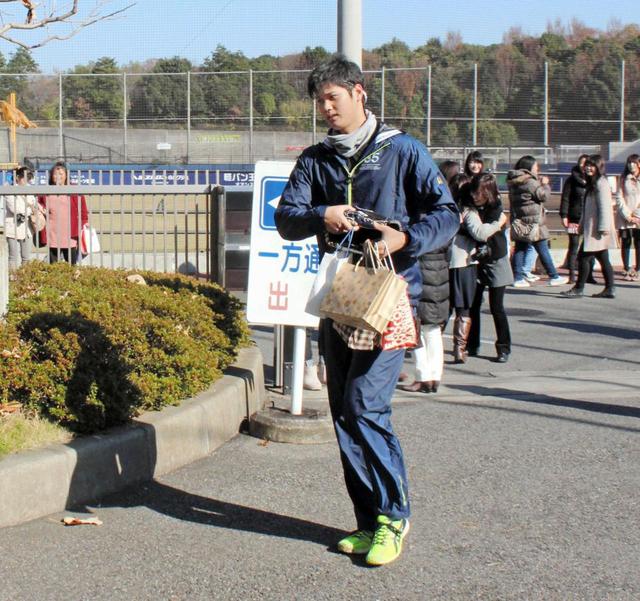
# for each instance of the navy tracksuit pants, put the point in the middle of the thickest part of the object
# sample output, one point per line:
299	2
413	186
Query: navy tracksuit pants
360	386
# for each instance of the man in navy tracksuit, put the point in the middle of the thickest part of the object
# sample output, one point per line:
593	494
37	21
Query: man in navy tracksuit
363	162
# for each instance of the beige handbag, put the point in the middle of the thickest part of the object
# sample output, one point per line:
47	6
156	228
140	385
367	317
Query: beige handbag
37	219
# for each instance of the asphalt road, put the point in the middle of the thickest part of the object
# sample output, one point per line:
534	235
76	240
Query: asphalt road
524	477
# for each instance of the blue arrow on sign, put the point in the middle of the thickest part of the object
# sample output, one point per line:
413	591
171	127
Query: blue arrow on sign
270	191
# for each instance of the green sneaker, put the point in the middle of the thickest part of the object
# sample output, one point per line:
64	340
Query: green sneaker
357	543
387	541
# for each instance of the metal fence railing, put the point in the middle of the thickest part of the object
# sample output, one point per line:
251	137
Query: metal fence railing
171	229
242	116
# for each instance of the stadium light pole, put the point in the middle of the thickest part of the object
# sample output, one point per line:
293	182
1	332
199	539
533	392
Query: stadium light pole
349	44
350	30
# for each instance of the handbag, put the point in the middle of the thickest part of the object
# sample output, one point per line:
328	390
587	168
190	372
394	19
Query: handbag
327	271
525	232
89	241
401	331
37	219
364	297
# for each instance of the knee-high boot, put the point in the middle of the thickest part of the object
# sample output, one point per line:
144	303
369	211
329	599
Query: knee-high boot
461	329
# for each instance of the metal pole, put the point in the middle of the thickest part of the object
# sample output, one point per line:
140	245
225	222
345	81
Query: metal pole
315	118
188	114
250	115
278	356
217	229
350	30
60	142
475	104
622	86
124	115
299	339
429	105
382	94
546	108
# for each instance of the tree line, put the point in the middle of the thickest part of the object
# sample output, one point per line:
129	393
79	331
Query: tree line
584	87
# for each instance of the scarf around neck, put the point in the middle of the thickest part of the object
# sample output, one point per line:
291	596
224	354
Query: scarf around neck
347	145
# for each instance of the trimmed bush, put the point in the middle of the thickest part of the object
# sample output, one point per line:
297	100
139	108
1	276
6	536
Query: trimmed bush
88	349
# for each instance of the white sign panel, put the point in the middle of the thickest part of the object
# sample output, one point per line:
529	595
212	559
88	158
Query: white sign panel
281	272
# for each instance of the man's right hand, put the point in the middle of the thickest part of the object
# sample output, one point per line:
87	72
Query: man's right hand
334	220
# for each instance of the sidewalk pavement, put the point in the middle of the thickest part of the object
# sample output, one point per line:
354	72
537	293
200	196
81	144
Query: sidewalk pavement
523	480
42	481
519	489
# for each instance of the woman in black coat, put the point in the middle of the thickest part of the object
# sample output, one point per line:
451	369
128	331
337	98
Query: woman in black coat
573	193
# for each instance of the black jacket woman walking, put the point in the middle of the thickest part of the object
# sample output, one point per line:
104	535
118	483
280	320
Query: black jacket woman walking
574	190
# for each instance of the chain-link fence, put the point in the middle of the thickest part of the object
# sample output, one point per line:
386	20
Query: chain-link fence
240	117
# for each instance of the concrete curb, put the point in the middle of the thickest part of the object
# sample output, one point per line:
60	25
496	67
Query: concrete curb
44	481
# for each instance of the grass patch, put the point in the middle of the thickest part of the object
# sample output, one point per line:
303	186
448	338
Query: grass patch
19	433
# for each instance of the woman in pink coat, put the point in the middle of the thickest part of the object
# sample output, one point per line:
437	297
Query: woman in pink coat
66	214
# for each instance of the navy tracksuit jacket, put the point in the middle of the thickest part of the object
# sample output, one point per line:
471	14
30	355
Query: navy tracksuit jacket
396	177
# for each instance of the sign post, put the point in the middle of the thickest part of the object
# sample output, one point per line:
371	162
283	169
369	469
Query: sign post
281	272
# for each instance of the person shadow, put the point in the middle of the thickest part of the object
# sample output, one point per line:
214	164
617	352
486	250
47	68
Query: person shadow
124	457
189	507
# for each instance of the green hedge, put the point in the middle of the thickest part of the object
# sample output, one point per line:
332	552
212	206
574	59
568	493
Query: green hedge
88	349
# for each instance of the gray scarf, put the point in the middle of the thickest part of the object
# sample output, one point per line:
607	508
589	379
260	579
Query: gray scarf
347	145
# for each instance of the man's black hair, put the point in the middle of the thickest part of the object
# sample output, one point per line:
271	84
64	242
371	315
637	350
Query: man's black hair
338	70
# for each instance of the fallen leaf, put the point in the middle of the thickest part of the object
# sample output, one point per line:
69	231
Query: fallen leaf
74	521
264	442
7	408
7	353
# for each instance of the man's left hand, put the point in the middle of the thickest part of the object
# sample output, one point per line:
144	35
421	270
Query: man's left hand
394	240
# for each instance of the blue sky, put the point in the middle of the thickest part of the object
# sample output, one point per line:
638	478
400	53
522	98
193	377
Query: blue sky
193	28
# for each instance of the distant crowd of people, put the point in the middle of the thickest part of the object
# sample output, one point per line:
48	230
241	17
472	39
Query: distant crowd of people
482	256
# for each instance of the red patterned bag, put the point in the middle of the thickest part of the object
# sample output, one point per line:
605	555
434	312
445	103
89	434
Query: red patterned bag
401	330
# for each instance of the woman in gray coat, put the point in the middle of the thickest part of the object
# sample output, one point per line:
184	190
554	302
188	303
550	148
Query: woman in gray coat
598	229
486	222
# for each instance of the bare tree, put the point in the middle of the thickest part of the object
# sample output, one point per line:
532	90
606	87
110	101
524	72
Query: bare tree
67	17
